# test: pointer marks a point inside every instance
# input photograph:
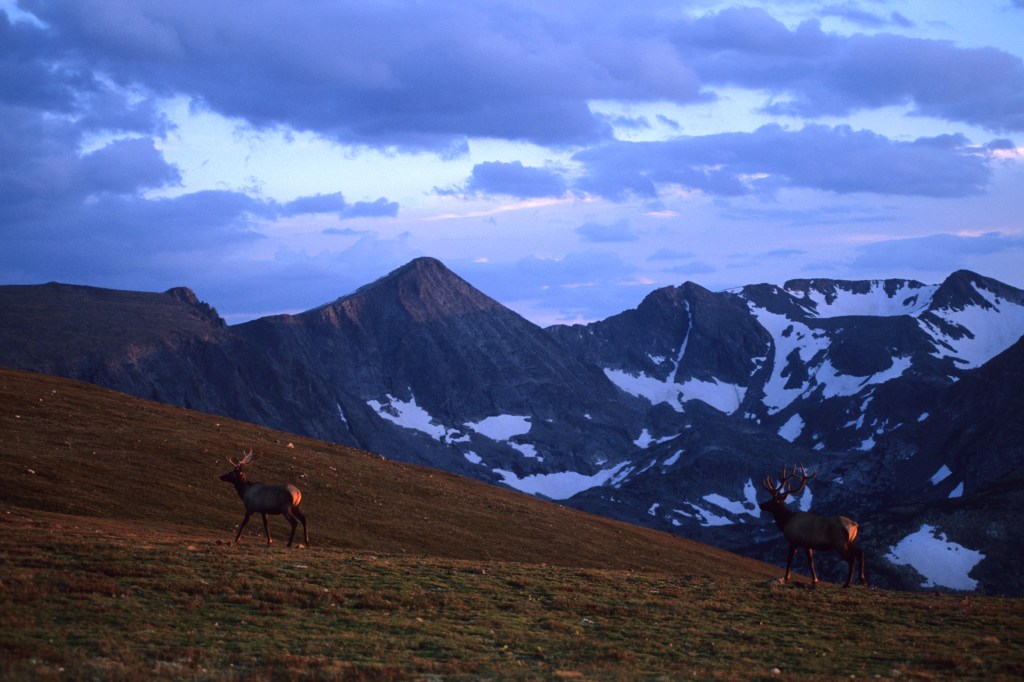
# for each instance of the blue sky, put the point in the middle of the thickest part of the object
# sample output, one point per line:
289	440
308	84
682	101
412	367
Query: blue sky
566	158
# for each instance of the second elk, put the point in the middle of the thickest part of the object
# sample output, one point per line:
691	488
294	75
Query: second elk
808	531
264	499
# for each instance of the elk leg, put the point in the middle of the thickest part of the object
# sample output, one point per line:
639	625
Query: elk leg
240	527
810	562
860	557
789	564
266	528
851	560
302	517
294	523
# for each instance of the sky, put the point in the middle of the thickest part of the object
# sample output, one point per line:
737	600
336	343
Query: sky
566	158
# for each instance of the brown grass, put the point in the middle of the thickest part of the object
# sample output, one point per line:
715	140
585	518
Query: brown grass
116	563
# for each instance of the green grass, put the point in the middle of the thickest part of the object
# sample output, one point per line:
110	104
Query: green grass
91	598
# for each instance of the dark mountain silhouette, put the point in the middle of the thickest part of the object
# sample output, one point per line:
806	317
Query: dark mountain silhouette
667	415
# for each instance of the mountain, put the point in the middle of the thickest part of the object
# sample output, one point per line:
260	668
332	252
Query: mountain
76	454
422	367
668	415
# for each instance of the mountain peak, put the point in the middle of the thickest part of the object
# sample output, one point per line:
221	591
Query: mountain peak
424	289
964	288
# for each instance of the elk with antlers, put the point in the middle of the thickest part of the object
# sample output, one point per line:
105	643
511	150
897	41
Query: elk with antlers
811	531
265	498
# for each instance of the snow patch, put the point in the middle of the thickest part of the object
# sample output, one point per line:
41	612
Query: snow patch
876	301
836	384
558	486
472	457
958	491
502	426
792	428
409	415
672	460
706	517
941	475
526	449
646	440
941	562
719	395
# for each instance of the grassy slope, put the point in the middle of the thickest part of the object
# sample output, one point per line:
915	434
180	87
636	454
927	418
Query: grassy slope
115	561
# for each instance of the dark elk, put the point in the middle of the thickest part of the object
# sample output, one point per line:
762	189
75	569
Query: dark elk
809	531
264	499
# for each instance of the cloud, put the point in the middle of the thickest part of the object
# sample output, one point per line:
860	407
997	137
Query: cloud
835	159
317	203
619	231
381	208
827	74
941	253
403	75
855	15
127	166
335	203
515	179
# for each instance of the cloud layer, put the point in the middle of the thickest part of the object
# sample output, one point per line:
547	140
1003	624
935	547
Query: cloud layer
87	194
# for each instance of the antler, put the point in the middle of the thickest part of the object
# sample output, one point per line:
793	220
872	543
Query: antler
247	459
784	488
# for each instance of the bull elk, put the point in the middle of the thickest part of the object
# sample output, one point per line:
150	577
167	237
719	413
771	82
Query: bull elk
809	531
265	498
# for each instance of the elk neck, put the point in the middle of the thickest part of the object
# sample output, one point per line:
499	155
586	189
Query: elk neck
241	483
780	511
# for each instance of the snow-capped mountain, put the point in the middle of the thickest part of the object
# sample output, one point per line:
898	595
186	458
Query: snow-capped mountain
667	415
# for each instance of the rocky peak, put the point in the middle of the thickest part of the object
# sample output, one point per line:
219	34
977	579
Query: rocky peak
422	290
201	308
963	289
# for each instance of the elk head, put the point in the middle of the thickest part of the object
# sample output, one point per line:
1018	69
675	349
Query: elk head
240	468
784	487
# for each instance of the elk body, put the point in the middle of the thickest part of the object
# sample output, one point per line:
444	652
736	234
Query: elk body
809	531
264	499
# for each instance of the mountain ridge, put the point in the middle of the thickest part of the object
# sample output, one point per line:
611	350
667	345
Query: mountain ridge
625	416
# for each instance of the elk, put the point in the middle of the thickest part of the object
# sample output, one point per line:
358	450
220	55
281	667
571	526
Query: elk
265	498
811	531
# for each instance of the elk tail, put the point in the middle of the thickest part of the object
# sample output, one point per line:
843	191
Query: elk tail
853	531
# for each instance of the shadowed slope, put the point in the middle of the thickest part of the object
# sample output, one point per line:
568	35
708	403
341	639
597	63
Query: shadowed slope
74	448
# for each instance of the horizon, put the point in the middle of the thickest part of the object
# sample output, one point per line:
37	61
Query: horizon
564	159
781	284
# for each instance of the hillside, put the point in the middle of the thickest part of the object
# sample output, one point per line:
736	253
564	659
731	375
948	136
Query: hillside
664	416
116	563
76	449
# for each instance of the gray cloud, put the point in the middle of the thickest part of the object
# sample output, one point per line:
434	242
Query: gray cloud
826	74
941	253
836	159
515	179
336	203
127	166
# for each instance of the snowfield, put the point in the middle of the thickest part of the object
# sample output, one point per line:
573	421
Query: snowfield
561	485
719	395
906	300
941	562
